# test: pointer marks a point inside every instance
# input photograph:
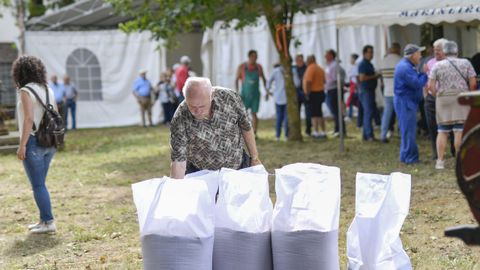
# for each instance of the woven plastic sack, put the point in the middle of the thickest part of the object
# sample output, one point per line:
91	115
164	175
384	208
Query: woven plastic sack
176	219
306	217
243	220
381	205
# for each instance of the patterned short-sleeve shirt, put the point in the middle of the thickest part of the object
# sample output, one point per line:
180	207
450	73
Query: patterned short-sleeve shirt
448	79
211	143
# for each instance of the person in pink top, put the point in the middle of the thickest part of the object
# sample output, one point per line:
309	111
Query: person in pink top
429	105
181	75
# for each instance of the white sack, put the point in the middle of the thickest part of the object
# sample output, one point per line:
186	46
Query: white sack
308	198
210	178
306	217
243	218
381	205
176	219
244	200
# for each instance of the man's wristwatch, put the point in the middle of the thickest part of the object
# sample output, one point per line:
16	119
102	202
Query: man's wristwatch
254	158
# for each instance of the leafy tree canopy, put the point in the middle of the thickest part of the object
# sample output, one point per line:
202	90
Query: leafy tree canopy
167	18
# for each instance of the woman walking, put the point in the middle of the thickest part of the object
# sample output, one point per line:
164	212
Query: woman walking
449	78
29	76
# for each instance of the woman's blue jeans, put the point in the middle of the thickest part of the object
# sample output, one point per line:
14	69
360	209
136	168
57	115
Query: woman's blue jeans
36	163
281	118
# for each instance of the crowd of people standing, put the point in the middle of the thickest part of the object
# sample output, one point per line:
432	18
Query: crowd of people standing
411	85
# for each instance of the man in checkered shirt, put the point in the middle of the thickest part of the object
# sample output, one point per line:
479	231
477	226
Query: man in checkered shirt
209	130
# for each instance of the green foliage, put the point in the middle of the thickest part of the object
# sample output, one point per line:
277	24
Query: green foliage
167	18
36	8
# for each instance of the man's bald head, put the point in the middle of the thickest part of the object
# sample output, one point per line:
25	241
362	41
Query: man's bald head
198	96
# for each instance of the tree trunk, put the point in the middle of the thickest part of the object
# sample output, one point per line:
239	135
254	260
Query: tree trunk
20	16
294	124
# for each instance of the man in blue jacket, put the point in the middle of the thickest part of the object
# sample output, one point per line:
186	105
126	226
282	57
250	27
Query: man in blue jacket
408	85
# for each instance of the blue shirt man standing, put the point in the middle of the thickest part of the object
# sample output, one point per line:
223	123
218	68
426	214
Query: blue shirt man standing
408	85
60	96
280	98
141	90
71	101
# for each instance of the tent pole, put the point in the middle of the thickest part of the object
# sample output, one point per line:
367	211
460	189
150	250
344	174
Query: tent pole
340	96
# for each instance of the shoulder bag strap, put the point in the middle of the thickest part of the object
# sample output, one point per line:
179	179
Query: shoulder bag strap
37	97
39	100
466	80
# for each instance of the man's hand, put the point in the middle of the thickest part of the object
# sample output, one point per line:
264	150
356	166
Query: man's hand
254	161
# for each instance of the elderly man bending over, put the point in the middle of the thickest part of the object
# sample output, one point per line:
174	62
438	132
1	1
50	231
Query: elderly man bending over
209	129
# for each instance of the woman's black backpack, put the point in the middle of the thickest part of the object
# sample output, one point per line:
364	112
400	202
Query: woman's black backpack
51	129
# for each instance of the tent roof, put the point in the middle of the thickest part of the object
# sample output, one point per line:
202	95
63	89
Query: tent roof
82	14
403	12
98	14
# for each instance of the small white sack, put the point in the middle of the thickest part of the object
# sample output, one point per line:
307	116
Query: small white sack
211	178
381	205
306	217
243	220
175	217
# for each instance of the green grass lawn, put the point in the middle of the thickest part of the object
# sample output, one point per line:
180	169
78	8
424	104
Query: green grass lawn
90	181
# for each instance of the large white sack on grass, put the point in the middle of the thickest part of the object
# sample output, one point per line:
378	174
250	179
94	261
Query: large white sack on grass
209	177
306	217
243	220
381	205
176	220
308	198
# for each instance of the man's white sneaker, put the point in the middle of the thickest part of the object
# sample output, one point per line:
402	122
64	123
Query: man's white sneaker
44	228
440	164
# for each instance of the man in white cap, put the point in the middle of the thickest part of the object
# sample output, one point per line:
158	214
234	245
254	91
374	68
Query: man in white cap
141	90
181	75
408	91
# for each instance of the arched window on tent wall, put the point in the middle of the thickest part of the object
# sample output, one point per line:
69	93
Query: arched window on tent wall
84	71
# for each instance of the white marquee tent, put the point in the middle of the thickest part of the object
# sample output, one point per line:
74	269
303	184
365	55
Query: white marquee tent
119	56
103	65
390	12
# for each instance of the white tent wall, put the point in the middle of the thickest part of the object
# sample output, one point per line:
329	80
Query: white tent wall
10	31
224	49
120	57
465	35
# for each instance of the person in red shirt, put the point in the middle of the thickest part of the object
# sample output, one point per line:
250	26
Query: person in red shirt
181	74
